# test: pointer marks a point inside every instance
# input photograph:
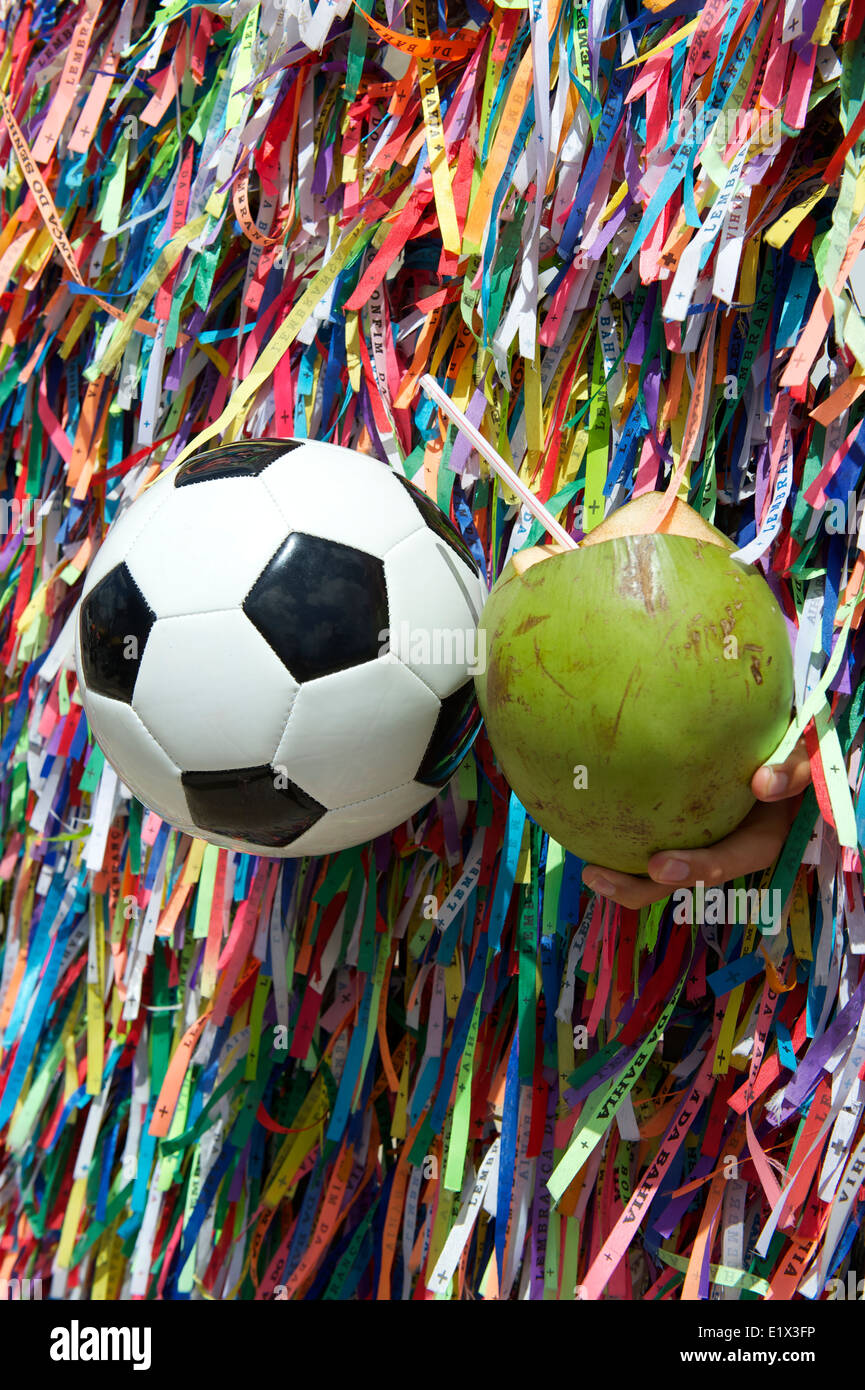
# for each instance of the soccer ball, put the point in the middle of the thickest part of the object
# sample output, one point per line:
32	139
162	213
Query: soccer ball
274	647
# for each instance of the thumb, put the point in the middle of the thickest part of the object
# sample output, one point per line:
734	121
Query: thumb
775	781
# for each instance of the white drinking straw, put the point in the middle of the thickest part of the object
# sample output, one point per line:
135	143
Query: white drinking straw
496	462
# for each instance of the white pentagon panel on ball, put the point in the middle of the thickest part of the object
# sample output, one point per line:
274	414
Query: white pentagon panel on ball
211	544
125	531
343	496
435	602
136	757
363	820
212	691
358	732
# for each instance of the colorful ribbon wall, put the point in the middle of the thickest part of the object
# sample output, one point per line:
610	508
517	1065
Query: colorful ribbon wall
626	240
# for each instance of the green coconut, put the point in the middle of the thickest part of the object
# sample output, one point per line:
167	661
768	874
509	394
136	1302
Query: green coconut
632	687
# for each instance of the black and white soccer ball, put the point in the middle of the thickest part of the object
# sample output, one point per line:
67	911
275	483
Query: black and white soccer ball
274	647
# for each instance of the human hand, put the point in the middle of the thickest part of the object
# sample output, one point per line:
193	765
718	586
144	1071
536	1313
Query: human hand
752	846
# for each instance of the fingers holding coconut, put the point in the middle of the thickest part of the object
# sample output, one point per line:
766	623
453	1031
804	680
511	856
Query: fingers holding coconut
752	846
776	781
629	890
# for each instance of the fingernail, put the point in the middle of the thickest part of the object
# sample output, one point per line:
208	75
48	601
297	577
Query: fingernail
598	884
673	871
778	782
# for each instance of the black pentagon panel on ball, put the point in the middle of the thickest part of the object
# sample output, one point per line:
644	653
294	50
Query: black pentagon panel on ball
456	730
259	805
115	622
438	522
245	459
320	605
